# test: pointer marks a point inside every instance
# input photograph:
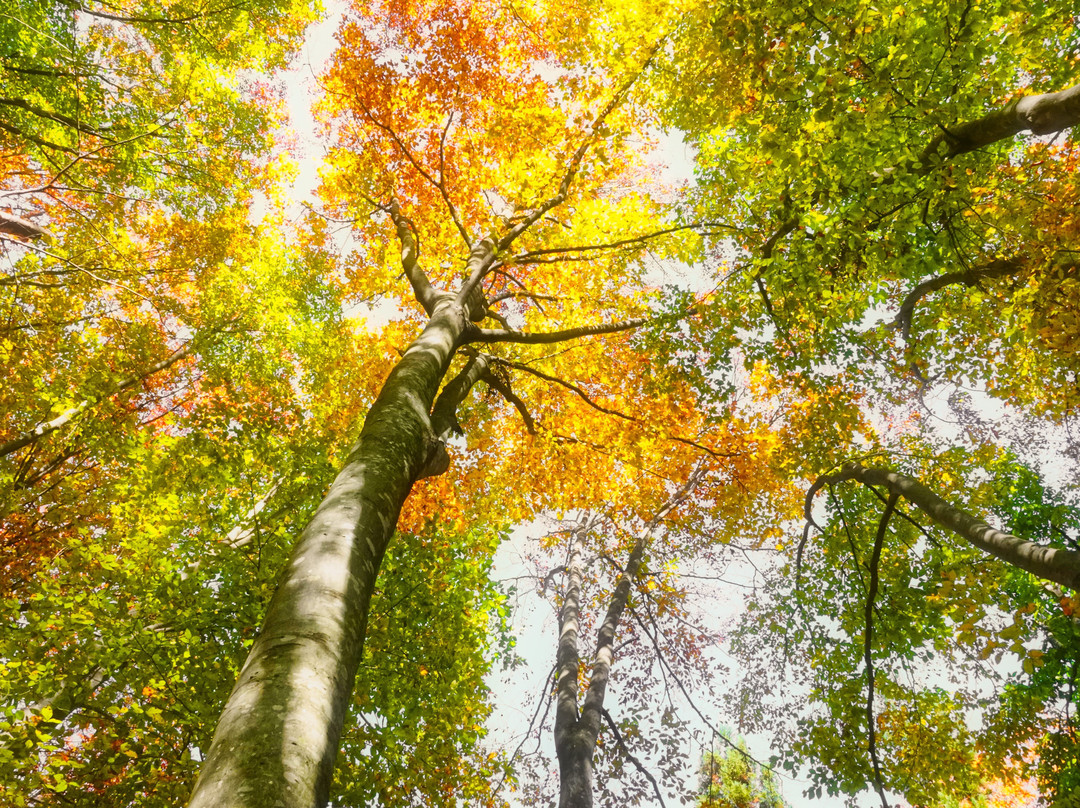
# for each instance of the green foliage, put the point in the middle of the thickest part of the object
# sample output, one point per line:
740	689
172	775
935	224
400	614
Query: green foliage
730	779
437	624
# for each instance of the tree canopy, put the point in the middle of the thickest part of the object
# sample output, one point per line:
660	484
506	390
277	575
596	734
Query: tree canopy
799	431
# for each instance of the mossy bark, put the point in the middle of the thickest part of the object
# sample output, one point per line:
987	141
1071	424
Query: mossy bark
277	739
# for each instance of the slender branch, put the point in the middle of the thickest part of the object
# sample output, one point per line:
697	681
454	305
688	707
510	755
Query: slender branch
442	185
544	701
682	689
631	757
151	20
526	257
423	172
575	159
48	427
601	408
503	388
488	335
868	638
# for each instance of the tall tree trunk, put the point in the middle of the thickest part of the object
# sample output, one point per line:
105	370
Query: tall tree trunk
573	746
1051	563
277	739
576	734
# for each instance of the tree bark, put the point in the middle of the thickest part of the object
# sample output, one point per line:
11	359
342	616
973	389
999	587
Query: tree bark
576	734
277	739
572	746
1042	114
1055	564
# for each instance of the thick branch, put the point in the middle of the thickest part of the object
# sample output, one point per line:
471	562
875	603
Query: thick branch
1052	563
605	640
23	104
22	228
997	269
444	414
503	389
423	291
1042	114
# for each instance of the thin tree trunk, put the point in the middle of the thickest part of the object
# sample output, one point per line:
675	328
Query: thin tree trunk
1051	563
575	735
572	745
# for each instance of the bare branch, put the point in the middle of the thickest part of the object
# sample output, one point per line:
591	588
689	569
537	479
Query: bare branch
599	407
630	756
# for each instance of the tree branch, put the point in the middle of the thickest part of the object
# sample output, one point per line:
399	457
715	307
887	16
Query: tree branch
1000	268
423	291
601	408
631	757
488	335
1055	564
1041	114
527	257
48	427
503	388
868	638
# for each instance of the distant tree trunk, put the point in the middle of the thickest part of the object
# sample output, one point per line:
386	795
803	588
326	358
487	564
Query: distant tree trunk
1055	564
576	733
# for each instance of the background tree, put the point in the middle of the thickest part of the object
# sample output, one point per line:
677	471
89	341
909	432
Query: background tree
729	779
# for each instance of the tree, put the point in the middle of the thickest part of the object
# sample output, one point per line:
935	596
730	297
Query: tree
435	148
731	780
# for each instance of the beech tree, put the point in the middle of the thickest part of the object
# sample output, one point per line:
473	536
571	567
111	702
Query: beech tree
434	148
483	321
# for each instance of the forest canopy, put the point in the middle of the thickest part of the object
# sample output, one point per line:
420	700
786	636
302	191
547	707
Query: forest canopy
737	341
